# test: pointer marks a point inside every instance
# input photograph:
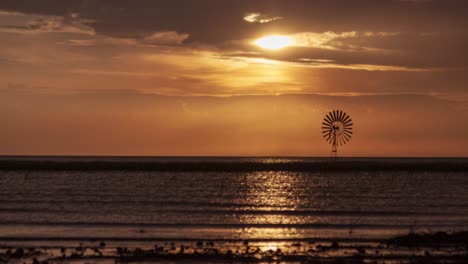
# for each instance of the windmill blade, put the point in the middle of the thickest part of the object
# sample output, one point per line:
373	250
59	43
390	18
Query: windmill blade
349	132
335	113
346	131
329	119
326	133
344	116
349	122
341	116
340	140
326	127
343	139
347	138
326	122
346	119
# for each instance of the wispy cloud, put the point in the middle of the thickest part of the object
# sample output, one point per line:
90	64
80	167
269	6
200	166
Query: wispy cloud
79	42
165	38
51	24
260	18
114	73
10	13
324	64
337	41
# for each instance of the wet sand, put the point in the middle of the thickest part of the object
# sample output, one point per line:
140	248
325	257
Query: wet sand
412	248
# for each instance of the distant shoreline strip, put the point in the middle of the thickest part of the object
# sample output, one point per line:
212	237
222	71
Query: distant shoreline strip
184	239
230	166
227	226
184	211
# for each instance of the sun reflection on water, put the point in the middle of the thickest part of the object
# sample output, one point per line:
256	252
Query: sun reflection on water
272	189
273	246
269	191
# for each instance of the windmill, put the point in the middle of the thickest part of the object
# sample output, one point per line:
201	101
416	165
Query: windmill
337	129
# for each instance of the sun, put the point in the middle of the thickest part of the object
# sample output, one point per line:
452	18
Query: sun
274	42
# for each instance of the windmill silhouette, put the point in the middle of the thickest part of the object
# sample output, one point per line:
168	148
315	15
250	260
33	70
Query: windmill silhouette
337	129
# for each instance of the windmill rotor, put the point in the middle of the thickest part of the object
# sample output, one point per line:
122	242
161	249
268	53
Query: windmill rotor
337	129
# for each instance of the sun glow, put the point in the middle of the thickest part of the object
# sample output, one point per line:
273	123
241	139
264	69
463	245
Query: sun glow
274	42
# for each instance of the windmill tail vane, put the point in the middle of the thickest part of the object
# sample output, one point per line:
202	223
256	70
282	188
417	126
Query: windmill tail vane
337	130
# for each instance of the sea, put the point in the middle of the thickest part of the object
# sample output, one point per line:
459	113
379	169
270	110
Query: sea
57	201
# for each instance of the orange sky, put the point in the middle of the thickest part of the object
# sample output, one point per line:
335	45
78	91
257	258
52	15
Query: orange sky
186	78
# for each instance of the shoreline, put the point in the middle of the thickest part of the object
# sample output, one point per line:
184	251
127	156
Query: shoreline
438	247
341	165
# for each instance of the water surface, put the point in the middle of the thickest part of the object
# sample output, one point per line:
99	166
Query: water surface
52	206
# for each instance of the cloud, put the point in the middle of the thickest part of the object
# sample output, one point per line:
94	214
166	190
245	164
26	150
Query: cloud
11	13
376	40
338	41
115	73
165	38
61	24
52	24
79	42
302	16
321	40
327	64
260	18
